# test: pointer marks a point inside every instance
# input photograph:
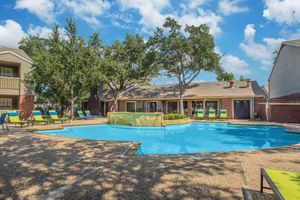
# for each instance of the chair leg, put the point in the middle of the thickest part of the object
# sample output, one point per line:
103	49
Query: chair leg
261	183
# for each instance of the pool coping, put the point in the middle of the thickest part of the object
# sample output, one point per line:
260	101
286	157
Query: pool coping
291	128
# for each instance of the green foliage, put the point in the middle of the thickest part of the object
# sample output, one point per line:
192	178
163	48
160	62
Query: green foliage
32	45
174	116
224	76
184	53
242	78
67	68
275	53
128	62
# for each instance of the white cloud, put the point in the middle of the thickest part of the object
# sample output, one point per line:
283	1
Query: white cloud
262	52
41	8
11	33
150	11
249	32
228	7
234	65
43	31
153	13
202	17
87	10
295	35
195	3
282	11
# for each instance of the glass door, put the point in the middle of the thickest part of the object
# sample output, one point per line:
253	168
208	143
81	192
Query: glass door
152	106
241	109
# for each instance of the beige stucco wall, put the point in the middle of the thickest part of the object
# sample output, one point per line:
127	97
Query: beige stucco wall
24	67
284	79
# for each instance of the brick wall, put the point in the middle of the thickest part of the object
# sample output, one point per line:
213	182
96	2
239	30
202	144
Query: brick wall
26	105
285	113
259	108
226	103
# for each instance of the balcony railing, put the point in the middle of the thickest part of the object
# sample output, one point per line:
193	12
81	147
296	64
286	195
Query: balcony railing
9	83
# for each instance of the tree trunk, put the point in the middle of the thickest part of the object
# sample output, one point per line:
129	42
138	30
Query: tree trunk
181	102
72	108
72	104
114	105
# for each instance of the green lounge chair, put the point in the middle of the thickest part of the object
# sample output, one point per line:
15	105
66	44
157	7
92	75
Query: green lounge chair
14	118
81	115
223	114
54	117
38	118
88	115
200	113
211	114
285	185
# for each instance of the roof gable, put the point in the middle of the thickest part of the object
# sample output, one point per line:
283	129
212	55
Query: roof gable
16	52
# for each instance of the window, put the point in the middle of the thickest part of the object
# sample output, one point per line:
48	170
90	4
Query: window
140	106
197	105
130	106
152	106
211	105
4	71
172	106
185	105
5	103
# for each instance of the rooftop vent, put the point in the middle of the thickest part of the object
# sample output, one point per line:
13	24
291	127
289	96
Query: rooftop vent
248	81
231	84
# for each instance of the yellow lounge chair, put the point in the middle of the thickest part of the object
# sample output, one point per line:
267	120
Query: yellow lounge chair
223	114
285	185
54	117
14	118
200	113
211	114
37	117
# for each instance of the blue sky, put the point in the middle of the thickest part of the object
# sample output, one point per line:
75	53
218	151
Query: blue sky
246	31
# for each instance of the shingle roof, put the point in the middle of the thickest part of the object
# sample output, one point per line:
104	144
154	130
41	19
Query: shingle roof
16	51
201	90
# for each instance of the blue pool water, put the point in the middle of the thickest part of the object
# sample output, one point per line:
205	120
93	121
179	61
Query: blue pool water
187	138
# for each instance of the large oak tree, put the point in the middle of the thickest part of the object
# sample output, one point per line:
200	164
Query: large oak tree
184	53
127	63
67	68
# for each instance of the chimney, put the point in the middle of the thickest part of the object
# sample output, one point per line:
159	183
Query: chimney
231	84
248	82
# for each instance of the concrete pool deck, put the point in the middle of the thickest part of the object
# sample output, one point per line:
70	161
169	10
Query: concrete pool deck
37	166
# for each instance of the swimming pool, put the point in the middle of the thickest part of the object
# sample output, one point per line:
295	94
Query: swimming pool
188	138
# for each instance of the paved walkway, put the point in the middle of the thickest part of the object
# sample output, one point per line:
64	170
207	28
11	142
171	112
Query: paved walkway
36	166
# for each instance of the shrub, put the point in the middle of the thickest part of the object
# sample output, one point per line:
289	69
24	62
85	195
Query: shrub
174	116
